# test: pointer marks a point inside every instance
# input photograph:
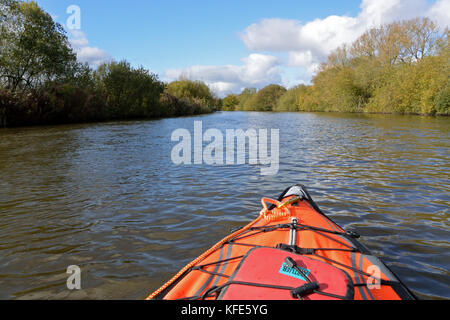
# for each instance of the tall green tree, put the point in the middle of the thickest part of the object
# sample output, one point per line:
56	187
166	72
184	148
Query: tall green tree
266	99
130	92
230	102
33	48
191	90
245	97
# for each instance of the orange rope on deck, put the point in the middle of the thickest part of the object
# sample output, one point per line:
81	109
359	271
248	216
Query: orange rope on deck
200	258
280	211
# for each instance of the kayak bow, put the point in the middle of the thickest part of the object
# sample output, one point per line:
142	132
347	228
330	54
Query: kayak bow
292	251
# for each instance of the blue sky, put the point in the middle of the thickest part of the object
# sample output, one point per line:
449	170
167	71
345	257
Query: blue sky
229	44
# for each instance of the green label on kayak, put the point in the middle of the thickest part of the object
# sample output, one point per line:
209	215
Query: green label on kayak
291	272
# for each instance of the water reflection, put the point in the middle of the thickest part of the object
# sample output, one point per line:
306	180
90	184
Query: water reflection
106	197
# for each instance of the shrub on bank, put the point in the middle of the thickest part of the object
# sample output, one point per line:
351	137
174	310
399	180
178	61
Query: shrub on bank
266	99
442	101
176	107
197	96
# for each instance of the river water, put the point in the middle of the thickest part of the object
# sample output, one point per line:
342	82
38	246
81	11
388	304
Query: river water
107	198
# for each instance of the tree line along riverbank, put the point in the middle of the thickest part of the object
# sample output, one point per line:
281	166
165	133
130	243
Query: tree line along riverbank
41	81
402	67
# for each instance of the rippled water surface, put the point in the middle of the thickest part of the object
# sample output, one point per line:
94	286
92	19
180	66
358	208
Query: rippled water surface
106	197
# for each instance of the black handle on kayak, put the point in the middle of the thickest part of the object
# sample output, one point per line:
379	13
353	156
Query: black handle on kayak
305	290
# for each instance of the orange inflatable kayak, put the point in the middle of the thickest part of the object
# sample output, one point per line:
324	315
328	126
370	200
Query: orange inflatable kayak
292	251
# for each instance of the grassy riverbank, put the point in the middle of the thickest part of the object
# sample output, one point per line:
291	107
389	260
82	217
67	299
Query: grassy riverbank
41	81
402	68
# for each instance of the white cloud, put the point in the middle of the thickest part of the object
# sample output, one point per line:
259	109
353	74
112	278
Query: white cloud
223	88
306	45
306	60
309	44
93	56
265	35
440	12
257	71
85	53
377	12
301	58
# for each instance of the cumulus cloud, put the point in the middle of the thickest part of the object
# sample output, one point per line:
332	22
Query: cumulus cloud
376	12
257	70
85	53
440	12
304	59
306	45
309	44
265	35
